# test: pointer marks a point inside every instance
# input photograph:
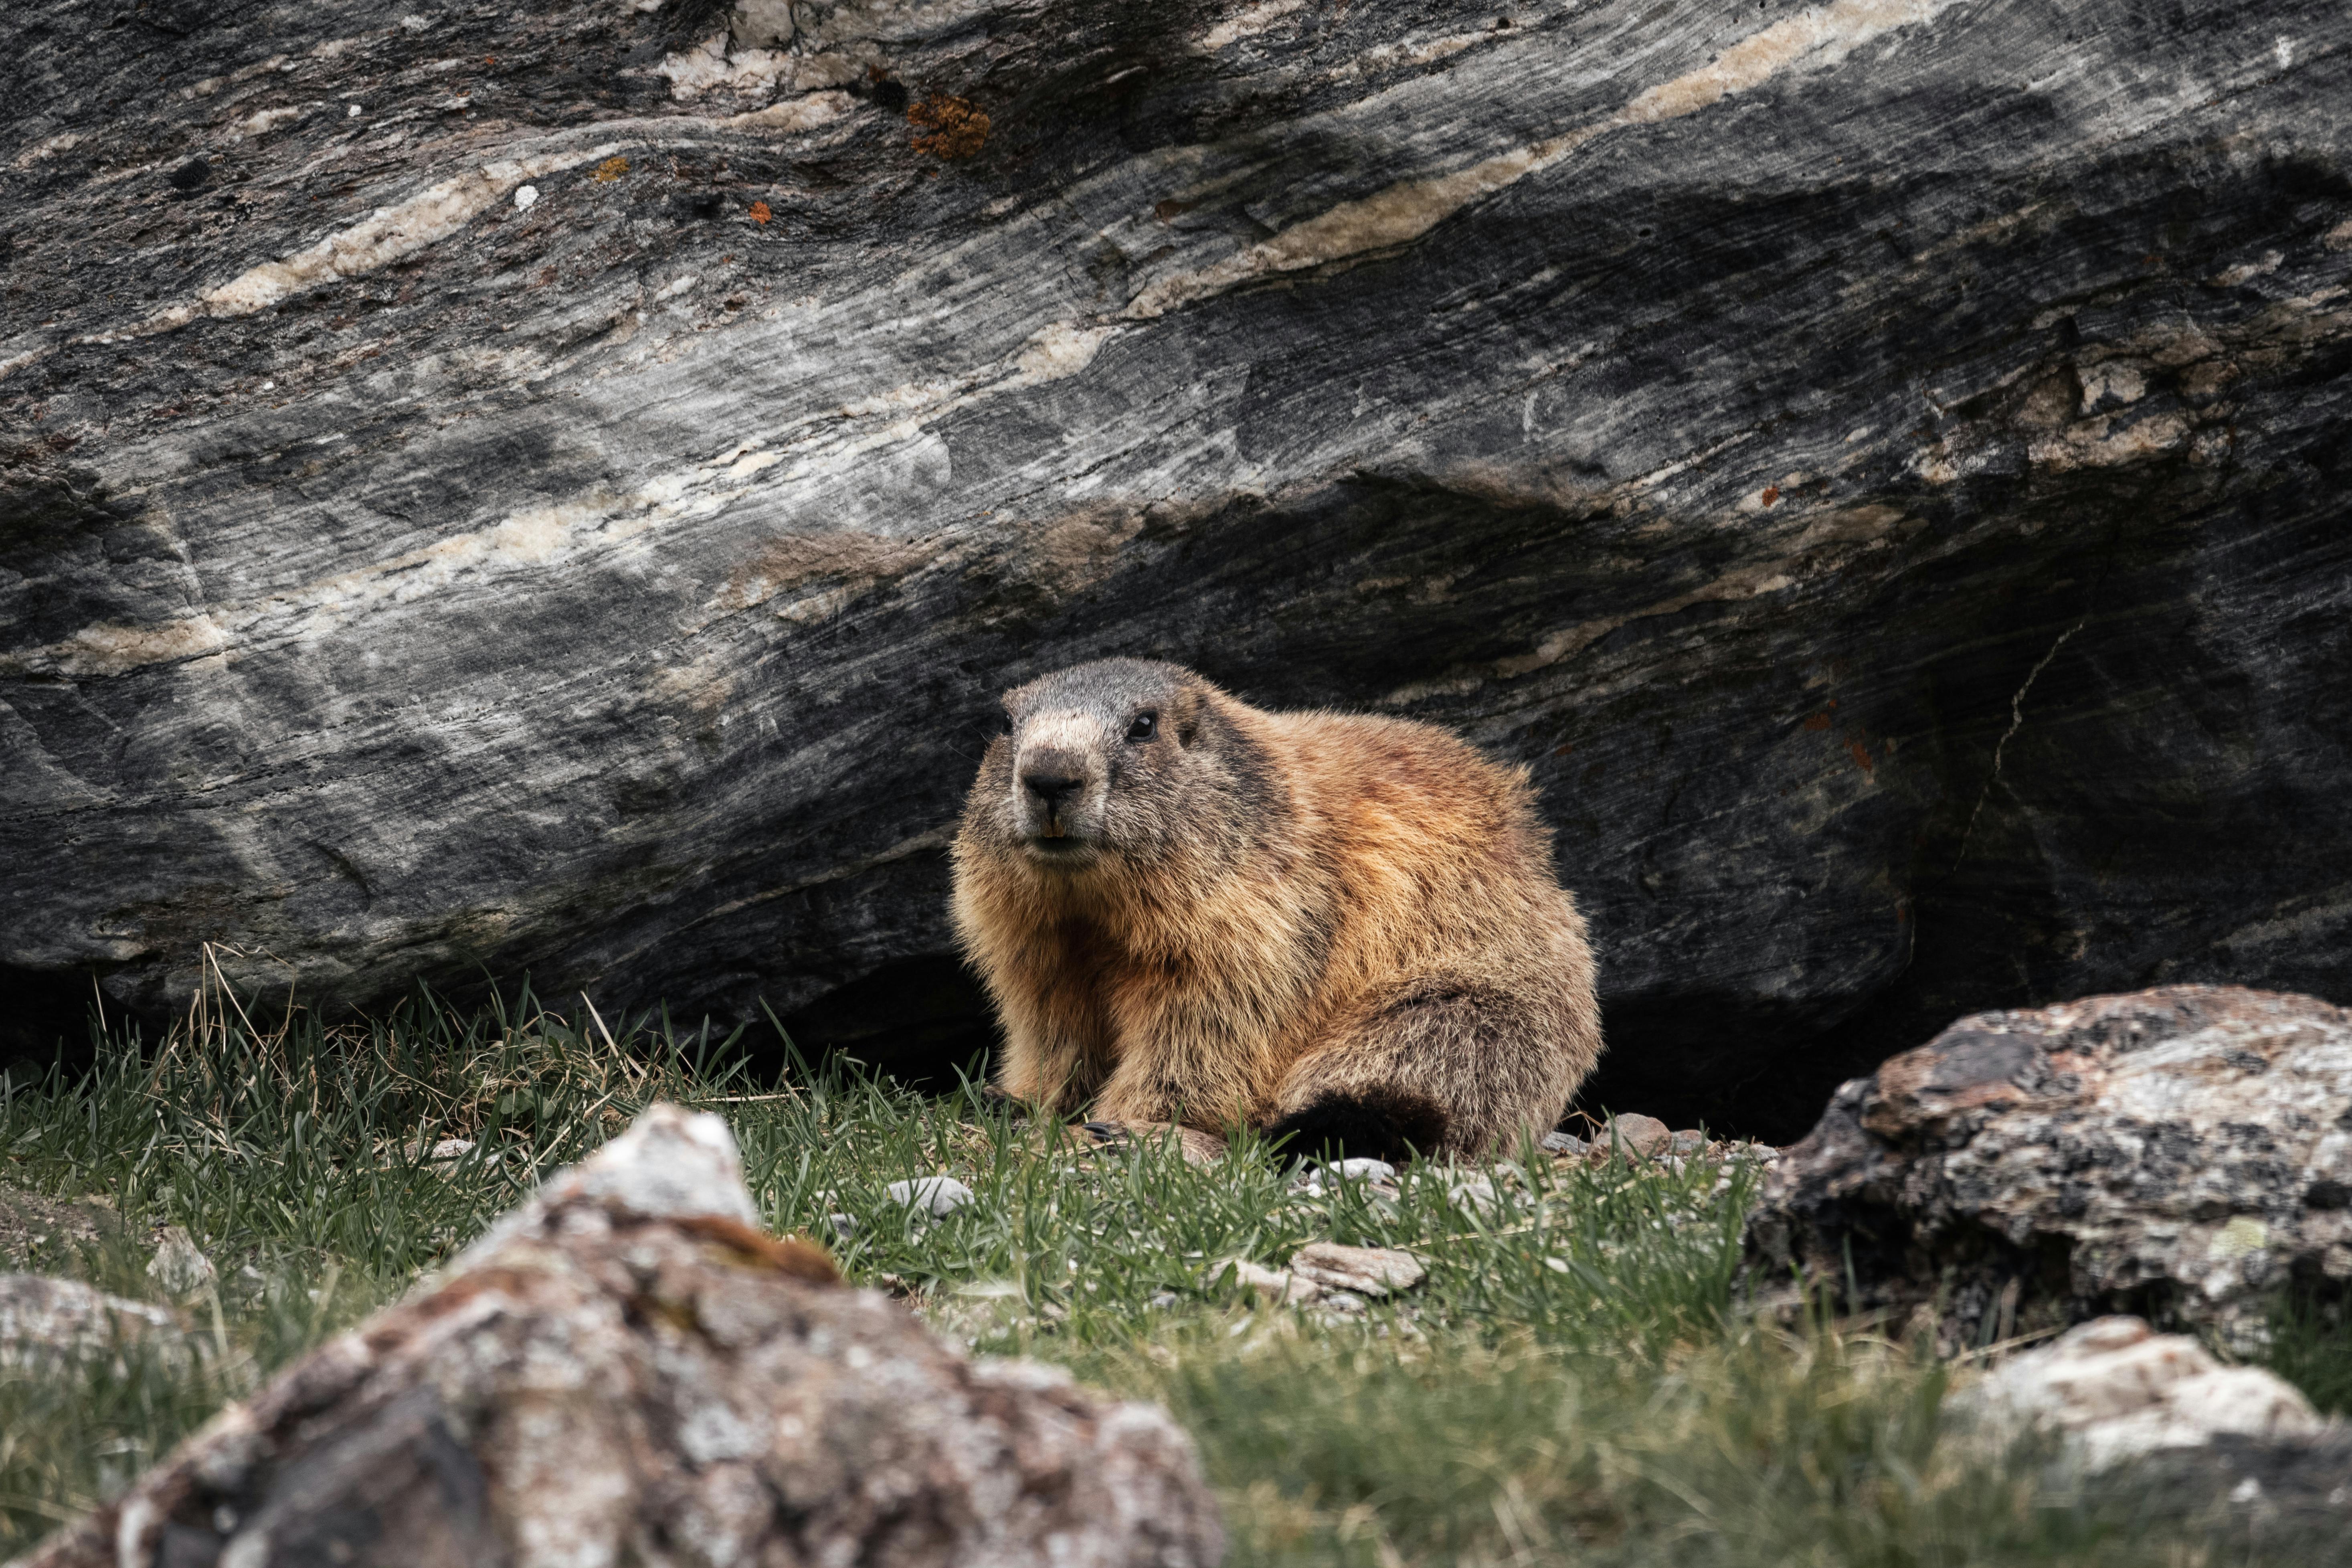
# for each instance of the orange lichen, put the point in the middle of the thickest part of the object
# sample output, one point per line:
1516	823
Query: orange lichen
795	1255
612	169
1772	493
760	214
952	127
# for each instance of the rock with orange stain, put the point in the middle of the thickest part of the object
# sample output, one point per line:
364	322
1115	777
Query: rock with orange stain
628	1369
951	127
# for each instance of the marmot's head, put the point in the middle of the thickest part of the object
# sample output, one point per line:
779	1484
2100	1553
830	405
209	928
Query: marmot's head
1123	759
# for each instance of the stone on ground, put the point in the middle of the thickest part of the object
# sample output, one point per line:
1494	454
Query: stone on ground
935	1196
1275	1287
627	1368
2182	1150
44	1320
2118	1390
2229	1453
1644	1137
180	1266
1366	1271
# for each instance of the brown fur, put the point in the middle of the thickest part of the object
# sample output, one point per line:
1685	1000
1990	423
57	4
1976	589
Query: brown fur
1302	921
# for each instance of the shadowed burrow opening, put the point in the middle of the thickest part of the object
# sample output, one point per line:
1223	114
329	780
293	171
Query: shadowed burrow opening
46	1020
1733	1066
921	1020
924	1019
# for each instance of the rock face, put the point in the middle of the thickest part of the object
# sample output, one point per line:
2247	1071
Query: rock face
2184	1154
626	1370
559	487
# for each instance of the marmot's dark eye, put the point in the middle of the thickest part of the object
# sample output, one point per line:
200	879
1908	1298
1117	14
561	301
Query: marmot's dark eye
1146	725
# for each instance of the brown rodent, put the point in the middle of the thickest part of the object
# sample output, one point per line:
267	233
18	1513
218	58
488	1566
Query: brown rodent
1341	927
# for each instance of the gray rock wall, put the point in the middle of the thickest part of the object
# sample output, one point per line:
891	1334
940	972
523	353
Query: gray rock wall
1883	464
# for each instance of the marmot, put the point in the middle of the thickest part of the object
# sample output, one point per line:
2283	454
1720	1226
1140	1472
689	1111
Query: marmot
1345	928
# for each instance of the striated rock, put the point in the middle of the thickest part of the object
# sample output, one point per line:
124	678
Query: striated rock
45	1320
2118	1390
557	484
1365	1270
2180	1153
627	1368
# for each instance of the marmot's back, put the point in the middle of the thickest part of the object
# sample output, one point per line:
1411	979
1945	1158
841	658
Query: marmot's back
1341	927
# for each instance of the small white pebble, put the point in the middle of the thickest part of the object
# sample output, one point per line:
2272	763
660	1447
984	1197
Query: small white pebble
350	111
939	1196
268	385
1473	1193
524	196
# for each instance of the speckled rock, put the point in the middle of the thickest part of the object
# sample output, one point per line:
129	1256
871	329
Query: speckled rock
558	484
598	1382
2180	1154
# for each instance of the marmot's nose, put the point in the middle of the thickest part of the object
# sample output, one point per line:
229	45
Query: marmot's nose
1051	784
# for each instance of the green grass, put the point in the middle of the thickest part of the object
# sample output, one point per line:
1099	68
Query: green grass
1574	1382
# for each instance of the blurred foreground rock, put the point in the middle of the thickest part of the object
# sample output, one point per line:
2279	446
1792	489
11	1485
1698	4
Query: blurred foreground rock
2233	1453
2118	1390
559	484
2182	1153
42	1319
626	1369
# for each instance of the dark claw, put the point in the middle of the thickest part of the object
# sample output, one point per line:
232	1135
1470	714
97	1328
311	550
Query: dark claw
1104	1131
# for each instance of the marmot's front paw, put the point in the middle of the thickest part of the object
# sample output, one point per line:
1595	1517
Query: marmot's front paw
989	1095
1199	1148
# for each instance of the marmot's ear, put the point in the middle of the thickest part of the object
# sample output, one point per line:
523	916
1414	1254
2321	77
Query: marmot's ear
1183	715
